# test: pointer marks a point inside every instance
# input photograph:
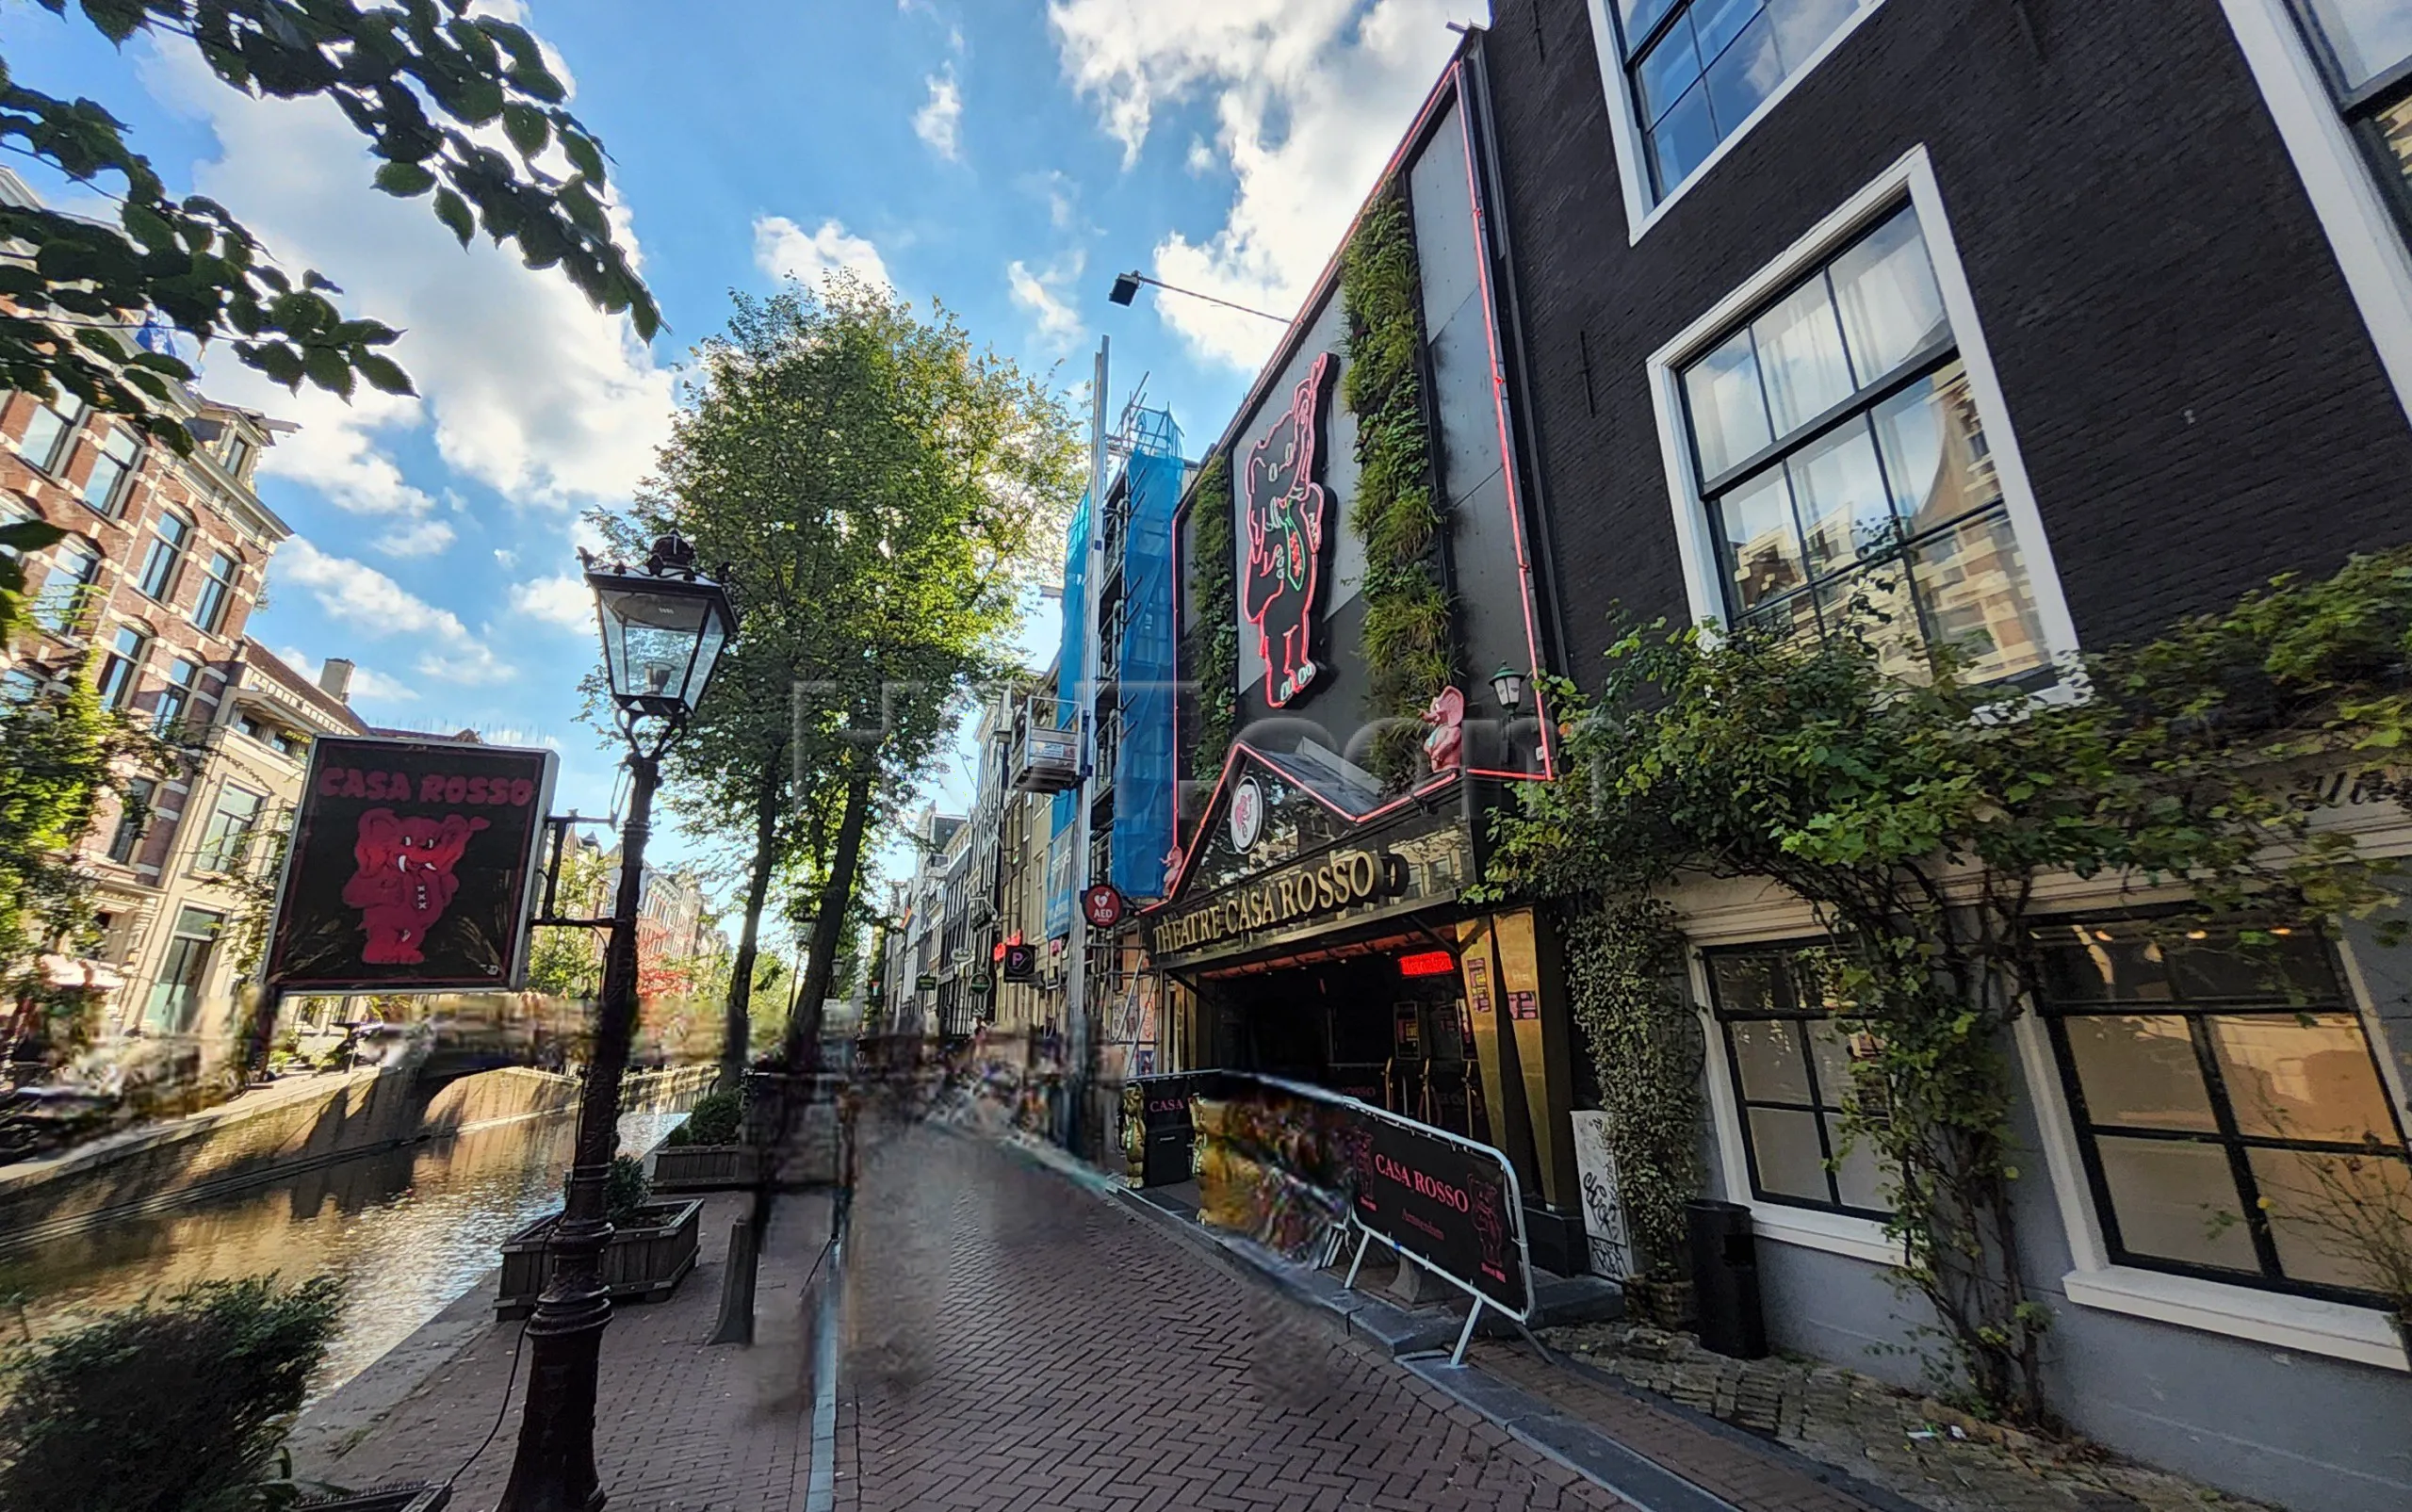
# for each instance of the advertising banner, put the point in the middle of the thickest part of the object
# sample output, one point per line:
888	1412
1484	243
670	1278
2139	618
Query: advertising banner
1445	1201
412	867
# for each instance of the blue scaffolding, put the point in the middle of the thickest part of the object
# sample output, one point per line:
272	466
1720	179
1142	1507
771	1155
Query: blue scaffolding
1150	673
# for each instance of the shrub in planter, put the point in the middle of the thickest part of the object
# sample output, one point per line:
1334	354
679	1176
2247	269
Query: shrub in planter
626	1188
172	1406
717	1119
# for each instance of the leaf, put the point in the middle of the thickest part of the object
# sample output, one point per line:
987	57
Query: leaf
404	179
455	212
585	154
382	373
527	127
329	370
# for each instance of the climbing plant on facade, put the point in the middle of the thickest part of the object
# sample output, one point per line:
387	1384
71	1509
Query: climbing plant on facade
1396	512
1919	818
1217	583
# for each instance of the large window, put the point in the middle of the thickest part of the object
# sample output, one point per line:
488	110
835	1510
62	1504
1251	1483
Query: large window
1790	1046
217	591
228	838
175	996
1698	68
170	534
2232	1114
175	696
2364	48
132	820
113	471
1846	476
122	665
47	434
68	588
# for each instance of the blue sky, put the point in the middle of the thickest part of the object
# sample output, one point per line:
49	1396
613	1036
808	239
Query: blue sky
1004	157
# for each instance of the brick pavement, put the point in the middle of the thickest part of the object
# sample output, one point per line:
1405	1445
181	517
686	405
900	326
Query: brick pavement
1013	1343
1753	1481
681	1426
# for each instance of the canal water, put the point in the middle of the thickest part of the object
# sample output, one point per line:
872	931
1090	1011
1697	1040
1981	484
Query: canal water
408	1230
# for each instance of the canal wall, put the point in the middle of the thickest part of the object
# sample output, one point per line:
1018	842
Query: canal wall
283	1129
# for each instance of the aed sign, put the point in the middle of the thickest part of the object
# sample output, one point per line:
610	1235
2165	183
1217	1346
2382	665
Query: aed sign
412	867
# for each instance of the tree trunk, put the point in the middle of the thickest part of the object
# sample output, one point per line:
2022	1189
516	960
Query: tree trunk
829	922
738	1031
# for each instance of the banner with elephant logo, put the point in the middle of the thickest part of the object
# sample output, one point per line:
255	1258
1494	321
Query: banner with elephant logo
411	867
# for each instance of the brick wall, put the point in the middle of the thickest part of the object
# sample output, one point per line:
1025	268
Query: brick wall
2196	395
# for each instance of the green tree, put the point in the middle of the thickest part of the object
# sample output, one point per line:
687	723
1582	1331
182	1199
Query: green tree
1921	817
877	494
565	962
425	81
65	754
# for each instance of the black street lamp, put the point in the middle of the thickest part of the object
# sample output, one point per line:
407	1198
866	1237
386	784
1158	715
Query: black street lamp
1507	685
664	626
1126	288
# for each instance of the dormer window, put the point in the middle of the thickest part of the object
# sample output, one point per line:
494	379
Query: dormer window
237	454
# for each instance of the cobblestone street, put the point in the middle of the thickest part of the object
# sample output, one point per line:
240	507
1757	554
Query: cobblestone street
1014	1342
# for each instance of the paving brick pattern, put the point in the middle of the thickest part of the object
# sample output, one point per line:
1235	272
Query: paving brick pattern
1749	1480
681	1426
1914	1448
1012	1343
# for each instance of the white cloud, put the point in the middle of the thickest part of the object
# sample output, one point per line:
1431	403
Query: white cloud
939	121
365	682
420	538
508	558
1059	324
783	249
1308	96
529	389
563	601
359	595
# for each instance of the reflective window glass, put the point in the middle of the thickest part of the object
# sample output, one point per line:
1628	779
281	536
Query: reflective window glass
2173	1200
2367	36
2252	1146
1729	414
1745	74
1762	545
1845	511
1801	358
1885	288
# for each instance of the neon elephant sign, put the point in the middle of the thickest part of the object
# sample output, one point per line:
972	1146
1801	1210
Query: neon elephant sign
1287	514
405	880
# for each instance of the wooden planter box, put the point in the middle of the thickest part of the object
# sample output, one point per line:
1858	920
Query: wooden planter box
702	1168
644	1262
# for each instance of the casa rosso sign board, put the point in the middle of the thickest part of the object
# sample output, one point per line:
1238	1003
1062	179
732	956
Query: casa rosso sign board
412	867
1337	880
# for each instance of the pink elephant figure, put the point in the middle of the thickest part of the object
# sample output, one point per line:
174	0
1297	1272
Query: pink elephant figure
1444	745
1286	518
405	880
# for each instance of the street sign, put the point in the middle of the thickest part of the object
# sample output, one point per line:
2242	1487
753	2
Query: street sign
412	867
1021	962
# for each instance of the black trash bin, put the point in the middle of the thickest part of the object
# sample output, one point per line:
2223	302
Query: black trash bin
1725	1279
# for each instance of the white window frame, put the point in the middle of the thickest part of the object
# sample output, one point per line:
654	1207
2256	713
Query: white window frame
2338	176
2309	1324
1912	176
1836	1233
1624	122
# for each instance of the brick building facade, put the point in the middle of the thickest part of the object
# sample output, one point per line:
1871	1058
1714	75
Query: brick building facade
2080	319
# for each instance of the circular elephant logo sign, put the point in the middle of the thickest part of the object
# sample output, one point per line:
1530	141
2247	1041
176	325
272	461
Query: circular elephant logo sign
1247	814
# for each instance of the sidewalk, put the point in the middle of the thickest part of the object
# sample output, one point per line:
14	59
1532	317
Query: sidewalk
681	1426
1673	1428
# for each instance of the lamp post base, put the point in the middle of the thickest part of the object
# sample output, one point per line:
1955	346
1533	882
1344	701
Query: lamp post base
555	1468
